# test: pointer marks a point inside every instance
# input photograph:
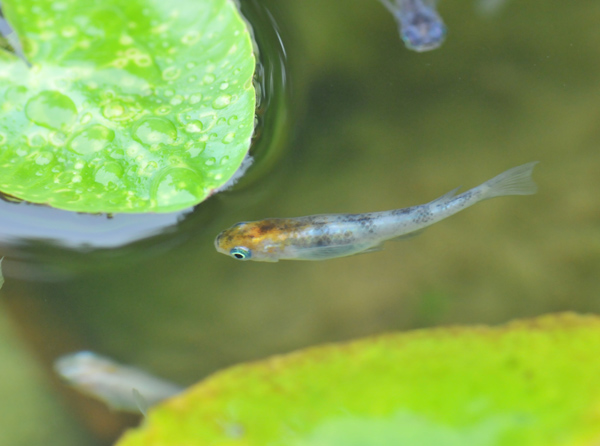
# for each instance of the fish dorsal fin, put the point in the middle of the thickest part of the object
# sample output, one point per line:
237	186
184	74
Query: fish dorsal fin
140	401
446	197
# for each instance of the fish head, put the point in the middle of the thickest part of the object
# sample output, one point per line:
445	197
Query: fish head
85	370
262	241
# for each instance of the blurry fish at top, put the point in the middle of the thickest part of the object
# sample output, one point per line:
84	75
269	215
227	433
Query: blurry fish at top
11	38
421	27
120	387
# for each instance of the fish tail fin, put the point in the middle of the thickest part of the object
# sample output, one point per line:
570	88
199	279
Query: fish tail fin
515	181
389	6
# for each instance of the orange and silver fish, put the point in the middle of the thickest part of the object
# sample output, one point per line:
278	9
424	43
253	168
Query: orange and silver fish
320	237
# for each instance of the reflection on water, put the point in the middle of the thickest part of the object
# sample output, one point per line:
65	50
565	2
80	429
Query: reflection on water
272	92
375	127
23	222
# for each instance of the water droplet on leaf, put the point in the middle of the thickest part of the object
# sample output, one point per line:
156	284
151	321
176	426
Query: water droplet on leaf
36	140
196	149
229	138
68	31
92	139
51	109
86	118
109	173
194	127
171	73
44	158
222	101
113	110
57	139
176	186
163	110
176	100
195	98
153	131
190	38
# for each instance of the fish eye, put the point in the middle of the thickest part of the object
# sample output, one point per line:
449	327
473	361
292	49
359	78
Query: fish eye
240	253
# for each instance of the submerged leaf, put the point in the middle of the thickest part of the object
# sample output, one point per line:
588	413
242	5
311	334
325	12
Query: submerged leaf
527	383
131	106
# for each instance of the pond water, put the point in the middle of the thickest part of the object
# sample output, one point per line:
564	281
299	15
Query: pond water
351	121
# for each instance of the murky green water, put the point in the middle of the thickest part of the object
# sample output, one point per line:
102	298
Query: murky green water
372	126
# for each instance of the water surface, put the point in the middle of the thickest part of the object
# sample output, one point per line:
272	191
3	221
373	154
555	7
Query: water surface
372	127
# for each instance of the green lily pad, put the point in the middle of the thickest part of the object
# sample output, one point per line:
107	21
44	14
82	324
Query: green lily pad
133	106
527	383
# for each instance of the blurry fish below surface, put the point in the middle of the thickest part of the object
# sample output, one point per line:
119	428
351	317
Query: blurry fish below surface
320	237
421	26
119	386
12	39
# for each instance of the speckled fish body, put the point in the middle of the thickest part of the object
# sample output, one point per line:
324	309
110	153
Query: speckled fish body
421	27
121	387
321	237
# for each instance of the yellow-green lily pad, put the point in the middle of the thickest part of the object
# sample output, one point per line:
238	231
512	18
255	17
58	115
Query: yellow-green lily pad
529	383
133	106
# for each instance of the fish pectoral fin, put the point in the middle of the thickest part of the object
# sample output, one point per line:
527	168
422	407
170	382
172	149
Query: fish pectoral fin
140	402
374	248
331	252
378	247
325	252
408	236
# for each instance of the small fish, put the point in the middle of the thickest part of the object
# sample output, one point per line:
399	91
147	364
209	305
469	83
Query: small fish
11	37
421	27
120	387
320	237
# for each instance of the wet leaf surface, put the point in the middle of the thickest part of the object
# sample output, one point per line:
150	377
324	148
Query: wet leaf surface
128	107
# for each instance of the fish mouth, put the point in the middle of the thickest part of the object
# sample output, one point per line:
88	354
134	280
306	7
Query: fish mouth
217	241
